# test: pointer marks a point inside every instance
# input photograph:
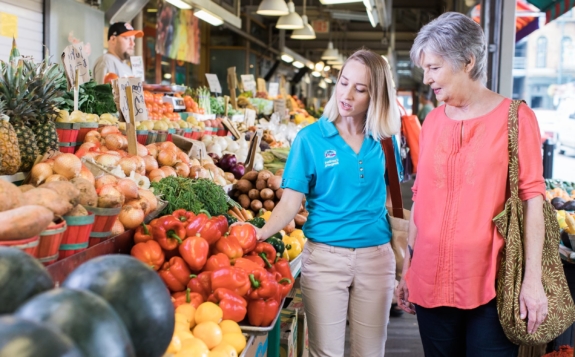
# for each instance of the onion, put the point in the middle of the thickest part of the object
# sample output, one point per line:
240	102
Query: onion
141	203
108	160
85	173
150	163
228	161
114	142
140	165
233	146
128	164
93	137
156	175
40	173
195	162
113	152
142	150
49	162
142	181
109	197
219	180
183	157
182	169
152	150
67	165
89	145
124	142
150	197
120	153
205	174
55	177
128	188
103	149
213	169
167	145
108	129
167	157
105	180
131	217
87	155
239	170
117	228
169	171
195	171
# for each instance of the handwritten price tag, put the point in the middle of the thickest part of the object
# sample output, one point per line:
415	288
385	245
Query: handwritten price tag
274	89
214	83
140	111
249	83
73	58
137	67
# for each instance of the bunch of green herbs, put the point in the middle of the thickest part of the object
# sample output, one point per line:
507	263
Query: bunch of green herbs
93	98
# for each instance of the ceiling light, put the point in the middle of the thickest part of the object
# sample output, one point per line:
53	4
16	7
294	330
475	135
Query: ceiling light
332	2
319	66
152	10
291	21
298	64
338	60
273	8
372	15
310	65
180	4
168	75
316	74
326	68
322	84
305	33
287	58
328	80
330	52
209	17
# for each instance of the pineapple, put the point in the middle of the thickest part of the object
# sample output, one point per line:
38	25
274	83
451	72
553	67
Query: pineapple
9	151
27	144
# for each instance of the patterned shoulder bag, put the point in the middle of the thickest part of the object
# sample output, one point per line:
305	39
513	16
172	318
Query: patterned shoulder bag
510	224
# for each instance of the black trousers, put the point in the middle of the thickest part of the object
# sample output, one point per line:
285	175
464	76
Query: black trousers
452	332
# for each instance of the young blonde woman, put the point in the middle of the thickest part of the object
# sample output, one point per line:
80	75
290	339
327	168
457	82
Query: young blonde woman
339	165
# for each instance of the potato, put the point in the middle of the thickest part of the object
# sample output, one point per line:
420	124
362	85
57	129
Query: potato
79	210
244	201
274	182
256	205
244	186
300	220
264	175
229	177
261	184
290	227
25	188
250	176
279	193
11	196
269	205
254	194
24	222
48	198
279	172
88	195
267	194
64	189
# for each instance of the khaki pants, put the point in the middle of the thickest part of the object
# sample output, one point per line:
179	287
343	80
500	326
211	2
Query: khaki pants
335	281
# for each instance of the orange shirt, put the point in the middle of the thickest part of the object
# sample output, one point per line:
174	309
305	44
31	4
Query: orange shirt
461	185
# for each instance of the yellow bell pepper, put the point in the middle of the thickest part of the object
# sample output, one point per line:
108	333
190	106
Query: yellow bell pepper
293	247
298	233
285	255
266	216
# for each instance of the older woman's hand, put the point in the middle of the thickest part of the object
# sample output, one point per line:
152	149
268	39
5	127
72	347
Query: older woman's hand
402	296
259	234
533	303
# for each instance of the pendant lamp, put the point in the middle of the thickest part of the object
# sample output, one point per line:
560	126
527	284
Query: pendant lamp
305	33
330	53
291	21
273	8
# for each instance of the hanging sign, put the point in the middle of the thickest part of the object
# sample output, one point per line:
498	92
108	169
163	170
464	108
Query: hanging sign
214	83
249	83
274	89
73	59
137	67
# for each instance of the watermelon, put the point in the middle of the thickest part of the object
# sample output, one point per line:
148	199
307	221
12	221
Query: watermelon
85	317
21	277
23	338
136	293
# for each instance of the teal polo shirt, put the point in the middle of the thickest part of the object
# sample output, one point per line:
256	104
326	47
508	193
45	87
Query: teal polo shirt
345	191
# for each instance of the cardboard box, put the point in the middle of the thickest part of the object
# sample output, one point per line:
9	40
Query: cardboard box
259	347
288	333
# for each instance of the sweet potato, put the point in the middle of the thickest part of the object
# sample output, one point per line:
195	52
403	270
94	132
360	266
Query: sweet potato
24	222
88	195
11	196
275	182
64	189
244	201
48	198
25	188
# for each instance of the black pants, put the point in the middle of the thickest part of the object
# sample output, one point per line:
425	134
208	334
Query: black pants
452	332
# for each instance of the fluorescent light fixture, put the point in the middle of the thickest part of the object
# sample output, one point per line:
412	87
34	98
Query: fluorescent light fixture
305	33
209	18
273	8
349	15
310	65
330	52
168	76
328	80
287	58
372	15
291	21
333	2
319	66
316	74
152	10
326	68
298	64
322	84
180	4
338	60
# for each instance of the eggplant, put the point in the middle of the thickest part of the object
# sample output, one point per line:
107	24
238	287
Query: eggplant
569	206
558	203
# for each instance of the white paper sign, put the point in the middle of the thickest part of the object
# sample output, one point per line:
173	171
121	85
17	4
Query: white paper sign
274	89
73	58
123	103
214	83
280	107
138	67
249	83
140	111
250	117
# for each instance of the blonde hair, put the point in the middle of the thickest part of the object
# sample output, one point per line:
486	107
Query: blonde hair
382	119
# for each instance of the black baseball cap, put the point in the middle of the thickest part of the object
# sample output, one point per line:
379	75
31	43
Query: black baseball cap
123	29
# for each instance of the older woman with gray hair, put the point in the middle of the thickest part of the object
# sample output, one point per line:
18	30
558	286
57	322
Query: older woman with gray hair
454	248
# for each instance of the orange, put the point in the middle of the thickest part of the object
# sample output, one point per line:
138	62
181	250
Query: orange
189	311
193	347
224	350
229	326
183	334
209	332
175	345
236	340
208	311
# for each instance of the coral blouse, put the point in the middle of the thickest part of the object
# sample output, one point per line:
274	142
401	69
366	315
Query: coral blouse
461	185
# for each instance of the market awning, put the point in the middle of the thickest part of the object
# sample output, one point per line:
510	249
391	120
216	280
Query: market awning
524	23
553	8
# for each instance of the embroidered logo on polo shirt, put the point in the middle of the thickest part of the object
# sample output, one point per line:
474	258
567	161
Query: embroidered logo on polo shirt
330	158
330	153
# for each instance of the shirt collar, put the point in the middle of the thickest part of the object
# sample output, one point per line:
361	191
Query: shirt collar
327	128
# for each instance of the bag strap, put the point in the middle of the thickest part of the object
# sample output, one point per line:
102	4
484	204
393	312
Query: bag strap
401	108
393	178
513	144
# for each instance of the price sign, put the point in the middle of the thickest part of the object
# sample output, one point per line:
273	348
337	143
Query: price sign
280	107
140	112
249	83
137	67
123	83
214	83
250	117
73	59
274	89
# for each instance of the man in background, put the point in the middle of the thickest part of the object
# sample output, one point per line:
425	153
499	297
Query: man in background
426	104
121	43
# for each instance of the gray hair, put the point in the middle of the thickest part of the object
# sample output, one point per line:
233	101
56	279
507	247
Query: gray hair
457	39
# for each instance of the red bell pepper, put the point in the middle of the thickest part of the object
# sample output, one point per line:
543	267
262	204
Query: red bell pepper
284	277
142	233
231	278
266	251
262	312
233	306
249	265
229	246
256	259
195	252
264	285
201	284
194	225
214	229
168	231
217	261
246	235
187	297
183	216
150	253
175	274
